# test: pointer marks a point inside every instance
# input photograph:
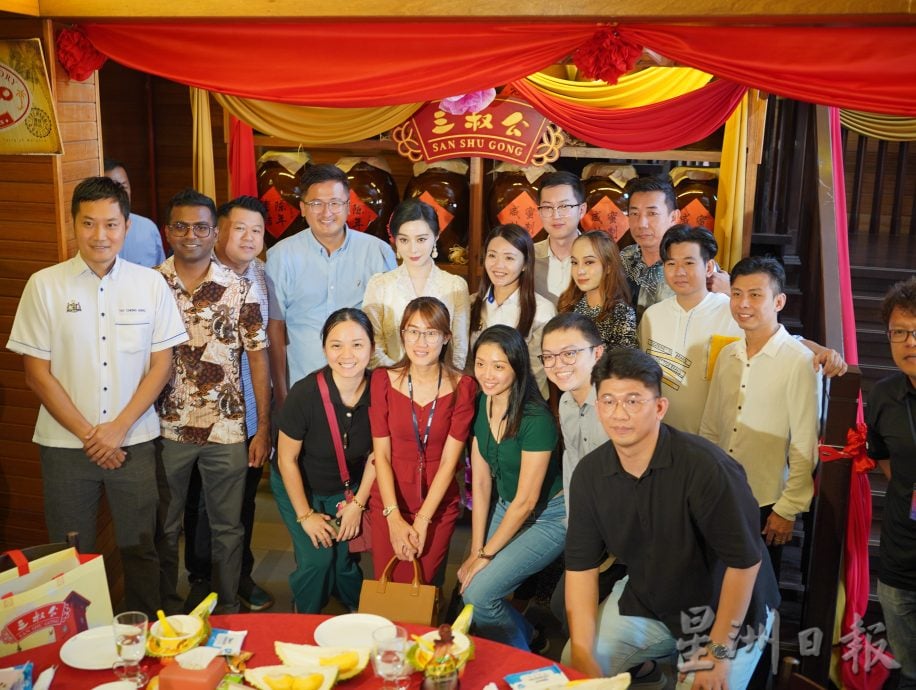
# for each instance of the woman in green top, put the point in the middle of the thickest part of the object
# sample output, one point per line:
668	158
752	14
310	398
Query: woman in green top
513	452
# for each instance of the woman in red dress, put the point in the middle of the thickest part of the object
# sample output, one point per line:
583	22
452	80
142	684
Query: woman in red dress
420	412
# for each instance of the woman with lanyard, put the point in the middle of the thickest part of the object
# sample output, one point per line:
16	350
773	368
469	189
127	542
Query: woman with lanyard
421	413
514	456
308	488
506	294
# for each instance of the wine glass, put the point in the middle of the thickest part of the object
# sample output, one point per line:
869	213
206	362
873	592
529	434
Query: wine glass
389	655
130	630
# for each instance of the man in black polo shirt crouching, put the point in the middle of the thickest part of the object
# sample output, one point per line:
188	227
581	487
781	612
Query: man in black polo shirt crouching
679	512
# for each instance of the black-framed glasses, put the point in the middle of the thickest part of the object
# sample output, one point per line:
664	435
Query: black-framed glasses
549	359
334	205
431	336
631	406
560	210
200	230
899	335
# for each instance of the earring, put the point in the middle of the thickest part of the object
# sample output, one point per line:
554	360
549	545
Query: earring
398	256
435	252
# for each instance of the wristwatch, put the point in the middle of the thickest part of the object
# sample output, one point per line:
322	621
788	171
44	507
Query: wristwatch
484	555
388	510
718	651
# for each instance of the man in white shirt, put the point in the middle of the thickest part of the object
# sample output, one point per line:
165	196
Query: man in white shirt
96	334
763	401
143	244
685	332
561	203
679	331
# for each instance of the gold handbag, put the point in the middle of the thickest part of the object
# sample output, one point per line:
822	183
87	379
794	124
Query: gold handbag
402	602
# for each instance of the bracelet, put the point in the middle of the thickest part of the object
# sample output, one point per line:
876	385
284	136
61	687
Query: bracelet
484	555
388	510
425	517
358	504
306	516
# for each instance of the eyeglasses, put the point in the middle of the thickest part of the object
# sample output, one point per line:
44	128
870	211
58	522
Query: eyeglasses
631	406
412	335
334	205
548	359
560	211
181	229
899	335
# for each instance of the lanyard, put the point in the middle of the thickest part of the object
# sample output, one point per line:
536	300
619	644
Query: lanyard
421	442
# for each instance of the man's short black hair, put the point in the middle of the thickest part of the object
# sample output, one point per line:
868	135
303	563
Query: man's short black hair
901	296
110	164
190	197
762	264
571	321
248	203
680	233
97	189
560	178
628	363
325	172
653	183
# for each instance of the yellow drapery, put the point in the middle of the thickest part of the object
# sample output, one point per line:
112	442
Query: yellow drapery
887	127
312	126
729	226
204	173
650	85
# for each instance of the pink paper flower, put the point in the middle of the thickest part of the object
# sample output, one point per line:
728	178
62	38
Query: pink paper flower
472	102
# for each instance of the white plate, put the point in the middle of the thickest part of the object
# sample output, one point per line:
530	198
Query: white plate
349	630
90	650
116	685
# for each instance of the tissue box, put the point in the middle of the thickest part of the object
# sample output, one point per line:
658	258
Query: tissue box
176	677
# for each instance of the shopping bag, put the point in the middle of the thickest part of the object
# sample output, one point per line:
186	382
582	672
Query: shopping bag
51	599
403	602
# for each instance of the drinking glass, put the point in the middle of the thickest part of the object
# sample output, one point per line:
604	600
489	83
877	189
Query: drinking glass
130	630
389	655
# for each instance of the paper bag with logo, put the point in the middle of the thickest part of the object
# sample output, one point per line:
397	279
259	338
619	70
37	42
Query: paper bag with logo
51	599
411	602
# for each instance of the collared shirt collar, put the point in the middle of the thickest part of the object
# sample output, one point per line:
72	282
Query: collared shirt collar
661	456
590	399
364	398
770	349
551	255
902	388
320	248
509	301
78	266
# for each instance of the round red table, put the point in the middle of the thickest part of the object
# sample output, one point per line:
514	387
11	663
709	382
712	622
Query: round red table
492	660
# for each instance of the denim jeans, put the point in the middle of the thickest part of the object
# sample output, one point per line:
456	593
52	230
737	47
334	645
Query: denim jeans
537	544
899	606
627	641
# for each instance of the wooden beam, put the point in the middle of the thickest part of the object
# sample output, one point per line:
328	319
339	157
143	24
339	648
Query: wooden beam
28	7
705	11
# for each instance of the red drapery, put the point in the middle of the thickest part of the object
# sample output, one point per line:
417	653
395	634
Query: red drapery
243	177
666	125
359	64
340	64
871	68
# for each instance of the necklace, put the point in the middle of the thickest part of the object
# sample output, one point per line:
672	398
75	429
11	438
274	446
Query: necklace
421	442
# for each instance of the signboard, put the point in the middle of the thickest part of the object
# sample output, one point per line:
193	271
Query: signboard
28	123
509	129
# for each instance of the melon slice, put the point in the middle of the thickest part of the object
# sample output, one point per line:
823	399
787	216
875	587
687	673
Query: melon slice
300	677
349	662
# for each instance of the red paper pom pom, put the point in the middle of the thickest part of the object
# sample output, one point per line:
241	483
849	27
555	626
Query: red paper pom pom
606	56
77	54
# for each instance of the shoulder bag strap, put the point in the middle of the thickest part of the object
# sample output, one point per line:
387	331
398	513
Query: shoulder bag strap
335	432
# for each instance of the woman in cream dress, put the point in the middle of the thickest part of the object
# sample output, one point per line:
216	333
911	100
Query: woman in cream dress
414	228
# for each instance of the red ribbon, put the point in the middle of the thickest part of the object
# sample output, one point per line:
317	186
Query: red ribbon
77	54
855	449
607	56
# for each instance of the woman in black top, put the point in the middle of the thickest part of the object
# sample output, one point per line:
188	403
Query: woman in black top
308	486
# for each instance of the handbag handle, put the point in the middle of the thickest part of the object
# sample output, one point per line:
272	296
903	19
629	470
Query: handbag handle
335	432
19	560
389	570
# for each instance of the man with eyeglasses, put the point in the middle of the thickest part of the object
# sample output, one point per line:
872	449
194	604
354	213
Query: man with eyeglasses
96	334
239	242
679	512
891	419
202	409
316	272
763	402
561	204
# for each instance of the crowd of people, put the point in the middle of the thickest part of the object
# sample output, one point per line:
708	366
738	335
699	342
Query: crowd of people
639	414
